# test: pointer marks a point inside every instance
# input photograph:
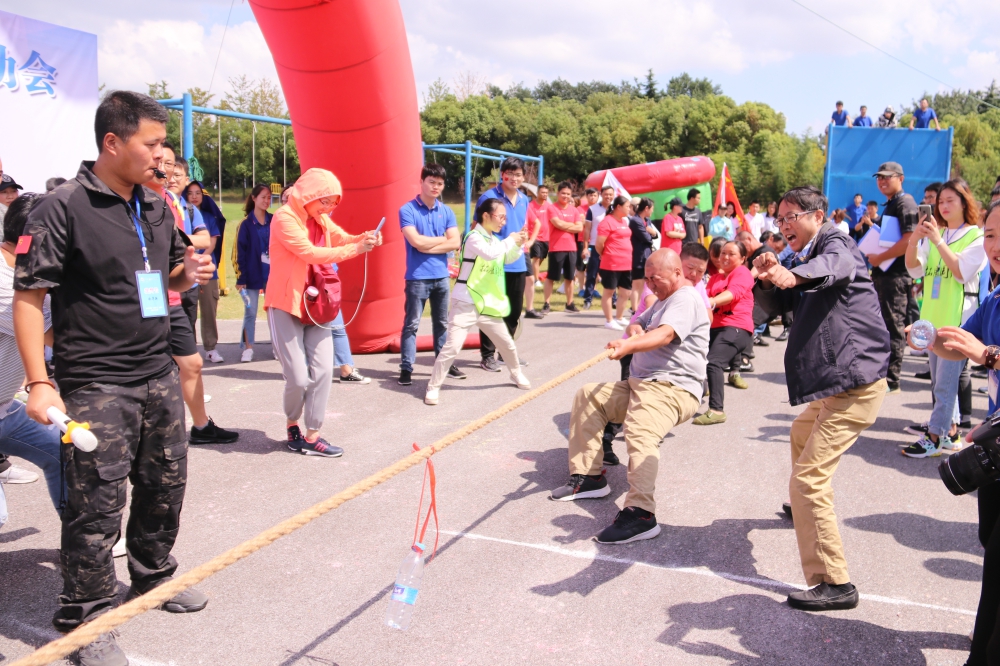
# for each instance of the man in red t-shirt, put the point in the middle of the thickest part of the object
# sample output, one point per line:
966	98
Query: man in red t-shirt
565	220
537	247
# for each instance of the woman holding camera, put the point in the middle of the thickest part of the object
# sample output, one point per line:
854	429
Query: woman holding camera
949	260
305	351
978	339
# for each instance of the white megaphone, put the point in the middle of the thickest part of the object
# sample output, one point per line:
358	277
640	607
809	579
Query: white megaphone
74	433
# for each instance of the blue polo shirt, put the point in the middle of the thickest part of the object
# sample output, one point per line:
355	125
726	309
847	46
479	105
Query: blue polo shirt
855	213
862	121
428	222
516	215
985	325
922	119
839	118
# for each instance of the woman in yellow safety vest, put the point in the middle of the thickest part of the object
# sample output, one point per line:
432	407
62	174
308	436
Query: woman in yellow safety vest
480	295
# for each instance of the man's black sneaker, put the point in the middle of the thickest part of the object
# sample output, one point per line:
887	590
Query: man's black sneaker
581	486
455	373
531	314
405	378
571	307
979	372
489	364
746	365
320	447
212	434
295	438
104	651
610	457
610	432
355	378
966	424
825	597
188	601
786	507
547	308
631	524
783	335
759	341
923	375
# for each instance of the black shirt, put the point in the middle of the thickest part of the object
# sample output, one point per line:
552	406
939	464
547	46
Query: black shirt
642	242
692	219
85	251
903	208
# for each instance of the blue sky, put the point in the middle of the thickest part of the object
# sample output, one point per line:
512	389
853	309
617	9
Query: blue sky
772	51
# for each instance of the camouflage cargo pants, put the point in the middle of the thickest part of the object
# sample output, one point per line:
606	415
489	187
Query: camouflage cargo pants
893	296
141	437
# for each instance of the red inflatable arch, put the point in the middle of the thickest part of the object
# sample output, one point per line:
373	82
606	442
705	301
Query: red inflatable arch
662	175
348	81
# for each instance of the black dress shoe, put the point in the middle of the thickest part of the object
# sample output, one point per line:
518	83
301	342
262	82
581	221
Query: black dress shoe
825	597
610	457
759	341
923	375
783	335
787	508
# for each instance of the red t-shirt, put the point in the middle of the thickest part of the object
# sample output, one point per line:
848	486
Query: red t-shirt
559	240
673	222
739	311
617	255
582	208
539	213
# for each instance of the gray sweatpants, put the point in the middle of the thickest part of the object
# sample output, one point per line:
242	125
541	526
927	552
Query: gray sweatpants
306	357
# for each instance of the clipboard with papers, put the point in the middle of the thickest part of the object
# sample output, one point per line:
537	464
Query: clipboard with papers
872	243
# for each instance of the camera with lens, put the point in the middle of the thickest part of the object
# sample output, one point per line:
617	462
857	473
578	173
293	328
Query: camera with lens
977	465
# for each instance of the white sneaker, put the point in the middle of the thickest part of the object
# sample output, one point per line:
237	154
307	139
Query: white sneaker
614	326
520	380
208	398
17	474
214	357
246	356
119	548
431	397
539	285
624	321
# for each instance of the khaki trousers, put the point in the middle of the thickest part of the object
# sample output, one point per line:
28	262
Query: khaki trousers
647	409
461	317
208	303
820	435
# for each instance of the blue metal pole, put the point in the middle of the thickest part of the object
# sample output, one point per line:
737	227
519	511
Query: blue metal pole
468	186
188	128
541	170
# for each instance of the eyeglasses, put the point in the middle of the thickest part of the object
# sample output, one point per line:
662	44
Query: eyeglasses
889	177
792	217
326	203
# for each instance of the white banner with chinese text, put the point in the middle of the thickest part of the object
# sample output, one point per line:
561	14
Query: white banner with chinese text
48	96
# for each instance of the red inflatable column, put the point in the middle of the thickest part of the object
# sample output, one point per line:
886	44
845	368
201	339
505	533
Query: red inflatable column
346	74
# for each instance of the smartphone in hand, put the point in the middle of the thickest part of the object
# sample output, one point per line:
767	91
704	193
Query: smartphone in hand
924	212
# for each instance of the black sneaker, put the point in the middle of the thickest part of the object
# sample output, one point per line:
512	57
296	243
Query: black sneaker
355	378
104	651
923	375
455	373
610	457
188	601
746	365
979	372
571	307
966	424
581	486
786	507
489	364
783	335
531	314
547	308
405	378
320	447
631	524
295	438
917	429
212	434
825	597
759	341
587	304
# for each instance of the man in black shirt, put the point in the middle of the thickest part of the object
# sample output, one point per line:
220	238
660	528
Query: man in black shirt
692	217
107	250
894	284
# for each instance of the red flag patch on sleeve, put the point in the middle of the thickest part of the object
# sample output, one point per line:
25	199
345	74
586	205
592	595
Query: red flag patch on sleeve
23	243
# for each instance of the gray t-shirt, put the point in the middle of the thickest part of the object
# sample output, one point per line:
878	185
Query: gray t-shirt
683	361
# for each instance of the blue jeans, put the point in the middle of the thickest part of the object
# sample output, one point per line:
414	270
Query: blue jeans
25	438
944	386
417	293
341	345
593	265
250	299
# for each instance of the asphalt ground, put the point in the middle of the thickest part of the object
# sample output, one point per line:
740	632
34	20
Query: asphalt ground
518	578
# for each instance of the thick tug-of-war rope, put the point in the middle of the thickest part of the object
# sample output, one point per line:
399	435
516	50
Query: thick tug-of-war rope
85	634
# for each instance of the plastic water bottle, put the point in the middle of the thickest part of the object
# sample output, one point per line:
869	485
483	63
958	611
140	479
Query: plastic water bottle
922	334
404	592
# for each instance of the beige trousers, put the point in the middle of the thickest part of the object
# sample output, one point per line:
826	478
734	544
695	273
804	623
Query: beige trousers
208	303
820	435
648	410
461	317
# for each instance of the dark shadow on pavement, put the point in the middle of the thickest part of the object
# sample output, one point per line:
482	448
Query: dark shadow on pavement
773	633
14	535
948	567
247	373
886	453
922	532
250	441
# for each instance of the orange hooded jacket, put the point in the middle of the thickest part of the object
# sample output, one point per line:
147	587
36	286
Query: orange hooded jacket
291	251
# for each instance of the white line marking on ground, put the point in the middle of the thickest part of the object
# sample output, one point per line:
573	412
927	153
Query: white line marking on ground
750	580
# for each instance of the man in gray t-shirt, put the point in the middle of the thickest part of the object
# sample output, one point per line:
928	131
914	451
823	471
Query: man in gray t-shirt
669	344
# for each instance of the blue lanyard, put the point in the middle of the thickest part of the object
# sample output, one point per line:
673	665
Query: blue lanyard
138	230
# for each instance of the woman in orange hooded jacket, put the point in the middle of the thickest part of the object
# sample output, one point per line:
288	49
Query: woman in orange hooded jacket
306	351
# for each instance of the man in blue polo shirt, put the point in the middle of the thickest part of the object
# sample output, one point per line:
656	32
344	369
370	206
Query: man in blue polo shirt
863	120
855	212
516	203
840	116
430	232
923	116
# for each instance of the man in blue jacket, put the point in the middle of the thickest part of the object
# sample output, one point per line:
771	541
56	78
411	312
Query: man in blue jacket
836	361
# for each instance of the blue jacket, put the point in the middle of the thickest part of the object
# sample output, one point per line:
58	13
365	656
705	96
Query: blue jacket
251	272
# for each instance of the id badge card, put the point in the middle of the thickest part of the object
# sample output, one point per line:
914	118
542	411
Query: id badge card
936	287
265	258
993	383
152	300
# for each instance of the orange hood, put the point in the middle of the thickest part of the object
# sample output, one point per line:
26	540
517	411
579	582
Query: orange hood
313	184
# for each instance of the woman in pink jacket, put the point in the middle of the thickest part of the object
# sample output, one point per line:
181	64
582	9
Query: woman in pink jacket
306	351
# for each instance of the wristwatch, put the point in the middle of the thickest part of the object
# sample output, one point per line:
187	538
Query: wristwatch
992	356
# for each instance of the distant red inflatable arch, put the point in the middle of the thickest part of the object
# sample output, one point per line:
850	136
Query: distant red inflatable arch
657	176
348	81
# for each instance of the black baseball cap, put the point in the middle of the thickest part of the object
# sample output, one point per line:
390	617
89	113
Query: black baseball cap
8	182
889	169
